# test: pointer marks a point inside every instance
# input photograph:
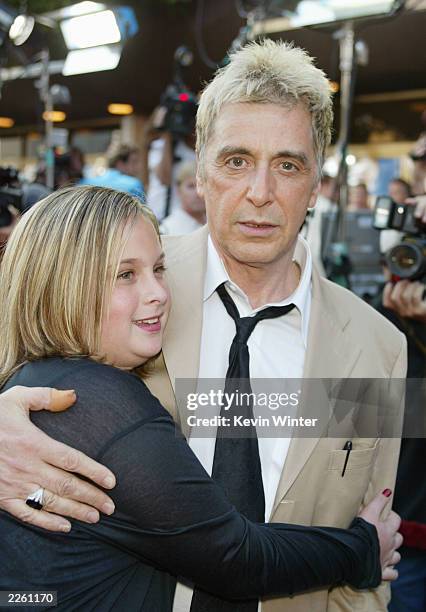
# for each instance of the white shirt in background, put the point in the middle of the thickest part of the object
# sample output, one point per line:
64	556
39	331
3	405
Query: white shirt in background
178	223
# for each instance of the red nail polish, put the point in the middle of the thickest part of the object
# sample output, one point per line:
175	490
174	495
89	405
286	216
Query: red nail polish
387	492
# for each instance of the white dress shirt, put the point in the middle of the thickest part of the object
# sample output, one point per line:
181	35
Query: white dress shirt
277	350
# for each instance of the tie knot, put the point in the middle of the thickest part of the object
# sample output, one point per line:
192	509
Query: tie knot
245	325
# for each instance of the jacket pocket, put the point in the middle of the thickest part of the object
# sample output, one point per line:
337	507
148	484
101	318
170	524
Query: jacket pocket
340	496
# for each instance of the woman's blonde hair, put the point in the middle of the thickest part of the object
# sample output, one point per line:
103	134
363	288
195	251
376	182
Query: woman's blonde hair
272	72
58	271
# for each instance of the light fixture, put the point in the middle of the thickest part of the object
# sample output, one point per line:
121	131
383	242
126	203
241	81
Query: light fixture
6	122
21	29
120	109
105	57
334	86
350	159
55	116
303	13
91	30
17	27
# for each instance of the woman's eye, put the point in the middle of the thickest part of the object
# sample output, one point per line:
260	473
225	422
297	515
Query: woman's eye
160	270
126	275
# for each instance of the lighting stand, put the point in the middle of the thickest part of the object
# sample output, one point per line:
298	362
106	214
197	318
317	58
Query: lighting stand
336	260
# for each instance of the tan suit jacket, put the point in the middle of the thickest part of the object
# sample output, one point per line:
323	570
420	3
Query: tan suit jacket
346	338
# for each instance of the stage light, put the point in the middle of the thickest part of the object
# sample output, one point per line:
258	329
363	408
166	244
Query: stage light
6	122
21	29
100	28
54	116
95	59
120	109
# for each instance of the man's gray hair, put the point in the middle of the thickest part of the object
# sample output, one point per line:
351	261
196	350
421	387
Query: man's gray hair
269	72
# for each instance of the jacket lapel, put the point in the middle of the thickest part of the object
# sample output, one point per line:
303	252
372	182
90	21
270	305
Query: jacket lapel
331	353
186	258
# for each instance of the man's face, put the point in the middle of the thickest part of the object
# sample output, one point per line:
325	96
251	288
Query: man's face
190	200
132	166
258	179
398	192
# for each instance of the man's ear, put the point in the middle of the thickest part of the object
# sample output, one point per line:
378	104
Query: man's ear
314	195
200	181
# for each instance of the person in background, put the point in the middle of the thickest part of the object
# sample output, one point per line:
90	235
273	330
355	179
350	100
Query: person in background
404	304
311	231
122	173
399	190
358	198
192	215
163	155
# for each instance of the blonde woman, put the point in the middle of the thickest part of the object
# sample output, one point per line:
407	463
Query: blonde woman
83	305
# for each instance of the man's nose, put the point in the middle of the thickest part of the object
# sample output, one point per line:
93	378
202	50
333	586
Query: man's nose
261	186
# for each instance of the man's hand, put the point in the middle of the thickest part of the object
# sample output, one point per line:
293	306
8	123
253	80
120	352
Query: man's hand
387	530
406	298
420	203
29	459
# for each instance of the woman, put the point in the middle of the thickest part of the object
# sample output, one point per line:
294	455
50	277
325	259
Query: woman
83	305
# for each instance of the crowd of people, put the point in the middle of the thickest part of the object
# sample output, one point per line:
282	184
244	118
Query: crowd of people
160	518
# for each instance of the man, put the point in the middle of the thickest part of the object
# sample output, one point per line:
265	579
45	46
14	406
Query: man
262	128
399	190
122	173
192	215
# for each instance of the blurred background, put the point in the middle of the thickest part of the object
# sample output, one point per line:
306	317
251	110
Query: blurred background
106	93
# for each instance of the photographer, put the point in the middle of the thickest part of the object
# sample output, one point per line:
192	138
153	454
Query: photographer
406	299
404	304
11	202
165	152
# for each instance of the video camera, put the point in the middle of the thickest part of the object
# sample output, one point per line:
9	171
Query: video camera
178	102
10	194
406	260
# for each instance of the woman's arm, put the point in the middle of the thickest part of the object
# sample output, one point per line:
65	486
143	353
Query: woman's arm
172	515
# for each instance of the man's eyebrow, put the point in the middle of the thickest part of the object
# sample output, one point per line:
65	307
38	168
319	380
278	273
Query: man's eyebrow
297	155
231	150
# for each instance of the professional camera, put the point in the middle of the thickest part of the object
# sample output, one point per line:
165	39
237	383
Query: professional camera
178	102
406	260
10	194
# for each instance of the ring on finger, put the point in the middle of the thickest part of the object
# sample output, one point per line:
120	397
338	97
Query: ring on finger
35	500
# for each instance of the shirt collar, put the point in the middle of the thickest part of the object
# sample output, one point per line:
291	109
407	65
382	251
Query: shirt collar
216	274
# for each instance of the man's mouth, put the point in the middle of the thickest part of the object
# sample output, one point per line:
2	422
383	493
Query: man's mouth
253	224
257	228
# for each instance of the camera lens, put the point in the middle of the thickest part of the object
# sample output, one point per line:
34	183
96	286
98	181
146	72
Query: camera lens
407	261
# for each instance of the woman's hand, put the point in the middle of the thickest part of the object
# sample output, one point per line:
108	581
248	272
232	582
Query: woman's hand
387	530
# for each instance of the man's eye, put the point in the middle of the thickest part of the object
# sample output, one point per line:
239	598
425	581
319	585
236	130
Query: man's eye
288	166
236	162
126	275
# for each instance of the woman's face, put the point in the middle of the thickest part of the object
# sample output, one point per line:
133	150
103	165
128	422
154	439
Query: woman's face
132	329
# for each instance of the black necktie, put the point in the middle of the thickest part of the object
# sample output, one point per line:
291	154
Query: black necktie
236	463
